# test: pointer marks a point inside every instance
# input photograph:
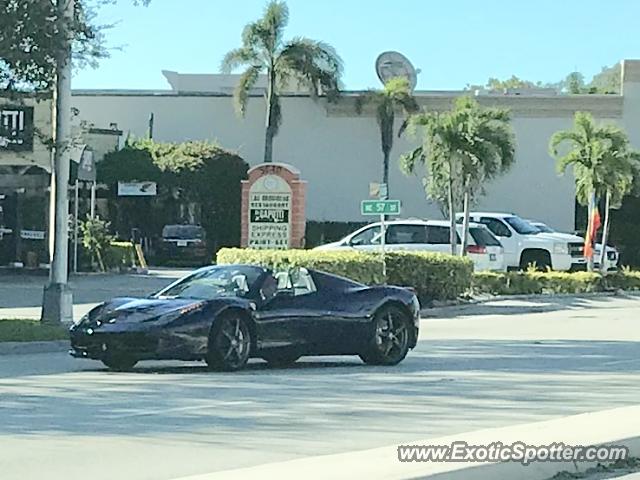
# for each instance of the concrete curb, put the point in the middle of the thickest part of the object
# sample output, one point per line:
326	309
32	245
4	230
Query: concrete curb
620	426
22	348
461	306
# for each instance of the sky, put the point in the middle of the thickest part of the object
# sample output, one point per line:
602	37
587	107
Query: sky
452	42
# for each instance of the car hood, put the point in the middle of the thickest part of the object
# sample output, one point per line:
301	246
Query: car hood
129	309
562	237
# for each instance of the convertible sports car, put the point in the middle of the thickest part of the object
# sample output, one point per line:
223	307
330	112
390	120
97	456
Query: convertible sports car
227	314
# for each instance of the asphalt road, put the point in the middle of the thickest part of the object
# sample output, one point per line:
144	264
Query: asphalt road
490	365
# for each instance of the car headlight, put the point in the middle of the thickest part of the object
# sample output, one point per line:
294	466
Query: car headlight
561	248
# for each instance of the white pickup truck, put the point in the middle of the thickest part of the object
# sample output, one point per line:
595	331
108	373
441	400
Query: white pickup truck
524	244
579	260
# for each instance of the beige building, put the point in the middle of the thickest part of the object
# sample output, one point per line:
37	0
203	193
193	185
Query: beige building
338	151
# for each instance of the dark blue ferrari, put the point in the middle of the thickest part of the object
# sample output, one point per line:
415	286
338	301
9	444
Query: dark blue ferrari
227	314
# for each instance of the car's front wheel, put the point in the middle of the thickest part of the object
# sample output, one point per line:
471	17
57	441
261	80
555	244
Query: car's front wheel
229	343
390	337
119	363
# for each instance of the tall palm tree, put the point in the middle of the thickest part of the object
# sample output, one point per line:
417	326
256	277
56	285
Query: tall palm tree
463	149
311	63
396	97
603	164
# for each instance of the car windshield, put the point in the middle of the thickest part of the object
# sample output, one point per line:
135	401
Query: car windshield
544	228
521	226
225	281
483	237
182	232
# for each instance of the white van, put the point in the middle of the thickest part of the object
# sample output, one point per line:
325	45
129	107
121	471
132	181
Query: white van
425	235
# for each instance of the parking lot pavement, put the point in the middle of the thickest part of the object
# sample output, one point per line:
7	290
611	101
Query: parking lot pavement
167	420
21	295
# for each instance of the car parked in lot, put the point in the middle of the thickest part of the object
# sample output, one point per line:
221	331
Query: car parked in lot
579	260
184	243
525	244
227	314
425	235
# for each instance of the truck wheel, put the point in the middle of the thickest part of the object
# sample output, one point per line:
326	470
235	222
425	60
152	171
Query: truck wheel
540	258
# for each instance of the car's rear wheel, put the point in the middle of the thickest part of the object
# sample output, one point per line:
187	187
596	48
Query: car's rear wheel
390	337
281	359
229	343
119	363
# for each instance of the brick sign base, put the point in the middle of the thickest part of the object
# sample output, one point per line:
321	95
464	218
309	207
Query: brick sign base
273	207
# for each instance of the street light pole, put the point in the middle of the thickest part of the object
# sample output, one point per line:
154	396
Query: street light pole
57	303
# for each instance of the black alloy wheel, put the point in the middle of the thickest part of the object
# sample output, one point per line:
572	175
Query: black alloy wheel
229	343
390	337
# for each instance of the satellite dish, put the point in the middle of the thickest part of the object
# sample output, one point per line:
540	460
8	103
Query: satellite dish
393	64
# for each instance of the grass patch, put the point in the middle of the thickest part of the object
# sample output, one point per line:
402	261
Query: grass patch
18	330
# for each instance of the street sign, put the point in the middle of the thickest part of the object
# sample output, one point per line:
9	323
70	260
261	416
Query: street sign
378	190
380	207
87	166
137	189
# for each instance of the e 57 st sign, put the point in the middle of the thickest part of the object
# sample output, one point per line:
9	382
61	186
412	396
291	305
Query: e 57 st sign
16	128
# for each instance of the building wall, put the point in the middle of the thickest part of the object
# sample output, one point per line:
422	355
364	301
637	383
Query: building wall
338	151
42	119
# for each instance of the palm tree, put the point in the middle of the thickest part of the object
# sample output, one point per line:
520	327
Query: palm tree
396	97
311	63
603	164
463	149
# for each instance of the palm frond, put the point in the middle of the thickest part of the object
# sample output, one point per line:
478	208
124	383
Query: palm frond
246	82
238	57
313	64
370	96
410	160
274	21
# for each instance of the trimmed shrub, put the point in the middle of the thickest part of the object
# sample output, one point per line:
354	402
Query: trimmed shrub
523	283
434	276
120	255
624	279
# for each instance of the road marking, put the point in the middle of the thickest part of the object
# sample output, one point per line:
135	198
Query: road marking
164	411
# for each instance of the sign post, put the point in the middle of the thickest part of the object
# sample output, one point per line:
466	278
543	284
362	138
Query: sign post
383	208
273	202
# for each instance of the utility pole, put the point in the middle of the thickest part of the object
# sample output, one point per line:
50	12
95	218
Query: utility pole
57	305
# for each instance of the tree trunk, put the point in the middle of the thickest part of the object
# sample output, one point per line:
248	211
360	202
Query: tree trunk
386	138
453	236
605	234
465	224
385	168
269	126
101	265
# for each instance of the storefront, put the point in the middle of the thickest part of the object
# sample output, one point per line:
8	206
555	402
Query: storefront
25	162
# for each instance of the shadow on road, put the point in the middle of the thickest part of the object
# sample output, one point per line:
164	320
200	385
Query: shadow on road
540	304
487	382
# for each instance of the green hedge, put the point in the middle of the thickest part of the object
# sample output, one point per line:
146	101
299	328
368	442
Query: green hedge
434	276
120	255
624	279
518	283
